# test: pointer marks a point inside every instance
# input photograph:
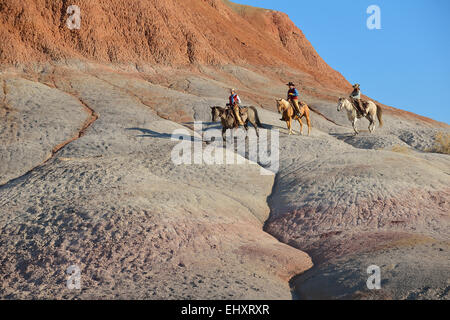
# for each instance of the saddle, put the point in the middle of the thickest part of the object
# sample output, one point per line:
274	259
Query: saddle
364	104
229	112
242	111
300	103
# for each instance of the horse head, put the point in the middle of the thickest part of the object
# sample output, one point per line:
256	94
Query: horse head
279	105
340	103
215	113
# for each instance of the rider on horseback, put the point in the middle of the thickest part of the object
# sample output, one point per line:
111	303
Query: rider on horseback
355	97
292	97
234	103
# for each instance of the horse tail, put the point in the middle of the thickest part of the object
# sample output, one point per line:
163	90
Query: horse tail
258	122
380	115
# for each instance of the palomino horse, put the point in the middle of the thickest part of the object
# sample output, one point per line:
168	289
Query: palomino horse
353	115
287	110
248	114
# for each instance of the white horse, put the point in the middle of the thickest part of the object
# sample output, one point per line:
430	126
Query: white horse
353	115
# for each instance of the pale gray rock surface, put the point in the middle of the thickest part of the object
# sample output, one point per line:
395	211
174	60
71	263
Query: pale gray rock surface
111	200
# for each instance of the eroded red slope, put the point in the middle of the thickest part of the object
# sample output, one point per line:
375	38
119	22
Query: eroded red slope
169	32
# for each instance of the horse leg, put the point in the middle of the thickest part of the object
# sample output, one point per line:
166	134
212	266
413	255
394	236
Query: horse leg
372	122
289	125
308	121
224	131
354	126
301	125
256	127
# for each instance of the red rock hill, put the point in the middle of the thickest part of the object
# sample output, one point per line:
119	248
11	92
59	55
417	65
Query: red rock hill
170	32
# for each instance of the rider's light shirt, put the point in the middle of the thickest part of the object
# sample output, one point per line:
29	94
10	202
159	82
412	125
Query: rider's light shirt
356	94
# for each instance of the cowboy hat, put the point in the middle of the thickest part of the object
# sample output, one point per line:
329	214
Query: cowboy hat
356	85
290	84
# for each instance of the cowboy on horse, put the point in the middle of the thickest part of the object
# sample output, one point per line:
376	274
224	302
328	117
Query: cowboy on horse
234	104
292	97
355	98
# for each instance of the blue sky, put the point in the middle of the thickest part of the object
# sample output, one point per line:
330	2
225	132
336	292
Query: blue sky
406	64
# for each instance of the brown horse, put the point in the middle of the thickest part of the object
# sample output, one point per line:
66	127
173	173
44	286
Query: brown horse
287	110
248	114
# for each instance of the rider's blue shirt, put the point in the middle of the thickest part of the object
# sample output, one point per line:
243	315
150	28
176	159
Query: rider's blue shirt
293	94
